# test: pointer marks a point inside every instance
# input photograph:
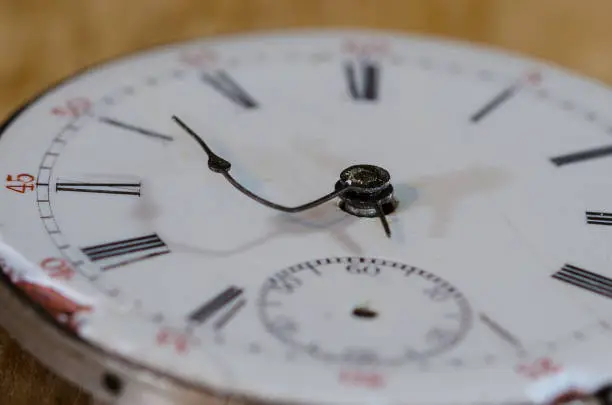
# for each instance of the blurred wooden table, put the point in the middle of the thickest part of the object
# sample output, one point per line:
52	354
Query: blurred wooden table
42	41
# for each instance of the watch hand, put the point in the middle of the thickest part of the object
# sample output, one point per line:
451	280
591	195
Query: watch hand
134	128
215	163
364	189
219	165
383	219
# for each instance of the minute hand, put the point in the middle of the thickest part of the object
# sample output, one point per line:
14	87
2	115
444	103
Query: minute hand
219	165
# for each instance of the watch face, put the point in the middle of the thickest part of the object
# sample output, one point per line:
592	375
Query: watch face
467	261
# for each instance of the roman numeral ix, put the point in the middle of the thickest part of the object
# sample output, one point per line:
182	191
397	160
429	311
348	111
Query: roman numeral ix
585	279
363	80
225	85
126	251
99	188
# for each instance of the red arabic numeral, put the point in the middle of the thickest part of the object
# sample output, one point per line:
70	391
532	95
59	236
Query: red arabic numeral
366	48
198	57
541	367
20	183
365	379
180	340
73	108
534	77
57	268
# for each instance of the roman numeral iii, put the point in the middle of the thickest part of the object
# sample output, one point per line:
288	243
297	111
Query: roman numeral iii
582	156
123	252
363	80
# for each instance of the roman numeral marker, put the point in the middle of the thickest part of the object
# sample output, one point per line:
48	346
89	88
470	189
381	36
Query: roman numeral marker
224	84
599	218
133	128
99	188
530	78
500	331
585	279
218	303
229	315
582	156
126	251
364	87
494	103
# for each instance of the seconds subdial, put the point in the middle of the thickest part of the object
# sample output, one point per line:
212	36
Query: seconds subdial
387	312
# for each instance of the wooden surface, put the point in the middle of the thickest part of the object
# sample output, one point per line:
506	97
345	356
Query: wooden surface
42	41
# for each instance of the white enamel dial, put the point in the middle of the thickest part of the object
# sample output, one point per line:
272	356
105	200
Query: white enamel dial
497	274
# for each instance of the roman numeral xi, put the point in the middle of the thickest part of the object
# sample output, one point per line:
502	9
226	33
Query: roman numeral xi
122	252
223	83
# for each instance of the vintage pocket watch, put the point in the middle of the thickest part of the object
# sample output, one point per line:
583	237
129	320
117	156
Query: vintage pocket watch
314	217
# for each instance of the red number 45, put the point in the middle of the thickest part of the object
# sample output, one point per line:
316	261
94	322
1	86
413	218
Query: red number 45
20	183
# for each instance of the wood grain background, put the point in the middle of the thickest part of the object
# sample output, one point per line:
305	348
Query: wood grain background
42	41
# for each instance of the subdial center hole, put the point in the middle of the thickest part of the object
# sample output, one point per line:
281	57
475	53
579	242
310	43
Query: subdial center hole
362	312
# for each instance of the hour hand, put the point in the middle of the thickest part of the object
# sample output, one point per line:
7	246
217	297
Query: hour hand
215	162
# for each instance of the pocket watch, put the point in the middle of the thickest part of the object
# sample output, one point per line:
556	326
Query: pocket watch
314	217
